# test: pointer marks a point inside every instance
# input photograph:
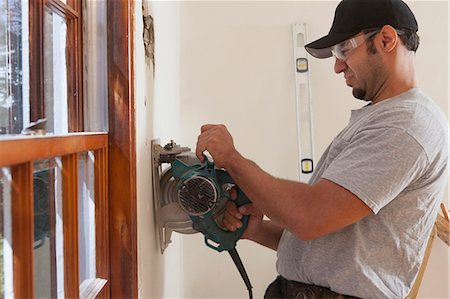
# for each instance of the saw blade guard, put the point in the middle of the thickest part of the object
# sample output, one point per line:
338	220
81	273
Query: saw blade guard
203	192
168	215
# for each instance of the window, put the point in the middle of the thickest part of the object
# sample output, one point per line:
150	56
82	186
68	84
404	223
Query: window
13	77
38	72
54	193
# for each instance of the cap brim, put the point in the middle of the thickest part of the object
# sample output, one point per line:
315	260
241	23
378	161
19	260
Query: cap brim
321	48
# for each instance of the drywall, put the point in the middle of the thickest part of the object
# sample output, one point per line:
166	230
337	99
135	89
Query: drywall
157	117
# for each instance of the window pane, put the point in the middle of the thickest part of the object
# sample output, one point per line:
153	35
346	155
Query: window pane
55	73
6	257
48	236
86	217
14	77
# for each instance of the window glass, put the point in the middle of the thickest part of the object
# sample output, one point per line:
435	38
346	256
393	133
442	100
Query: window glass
55	73
14	73
6	260
86	217
48	243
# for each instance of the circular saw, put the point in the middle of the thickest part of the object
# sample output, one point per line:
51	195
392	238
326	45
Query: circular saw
190	196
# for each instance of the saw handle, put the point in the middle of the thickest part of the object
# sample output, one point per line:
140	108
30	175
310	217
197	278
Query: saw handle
215	237
240	200
218	239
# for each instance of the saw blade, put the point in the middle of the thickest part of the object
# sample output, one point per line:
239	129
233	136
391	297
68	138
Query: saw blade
168	187
171	212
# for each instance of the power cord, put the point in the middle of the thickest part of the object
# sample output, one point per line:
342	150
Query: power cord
237	261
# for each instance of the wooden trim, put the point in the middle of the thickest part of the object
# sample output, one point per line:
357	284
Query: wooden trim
75	120
102	219
22	229
75	68
122	150
104	292
72	12
70	225
78	96
62	9
93	288
22	149
36	44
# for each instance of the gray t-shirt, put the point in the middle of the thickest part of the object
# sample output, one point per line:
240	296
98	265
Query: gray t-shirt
393	156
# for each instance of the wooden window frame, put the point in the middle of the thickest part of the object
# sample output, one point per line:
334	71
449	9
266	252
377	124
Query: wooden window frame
115	153
72	13
19	153
122	149
29	149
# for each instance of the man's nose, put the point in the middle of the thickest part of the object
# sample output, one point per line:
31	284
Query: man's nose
339	66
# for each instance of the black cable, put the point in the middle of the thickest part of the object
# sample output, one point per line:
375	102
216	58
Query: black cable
237	261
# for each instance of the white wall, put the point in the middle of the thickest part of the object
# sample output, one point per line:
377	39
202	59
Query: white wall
231	62
150	264
157	117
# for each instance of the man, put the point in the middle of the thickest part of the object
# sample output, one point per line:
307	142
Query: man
360	227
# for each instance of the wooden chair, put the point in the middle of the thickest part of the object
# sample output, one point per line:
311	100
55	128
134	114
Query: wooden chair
441	229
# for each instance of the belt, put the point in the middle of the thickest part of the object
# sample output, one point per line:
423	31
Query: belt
282	288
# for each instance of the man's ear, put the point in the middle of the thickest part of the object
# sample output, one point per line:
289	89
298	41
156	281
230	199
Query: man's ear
389	38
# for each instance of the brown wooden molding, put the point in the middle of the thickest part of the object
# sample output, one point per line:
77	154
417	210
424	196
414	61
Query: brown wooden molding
36	44
17	150
70	225
93	288
22	229
102	220
122	150
64	9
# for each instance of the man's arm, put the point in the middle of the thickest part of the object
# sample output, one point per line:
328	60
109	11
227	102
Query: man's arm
264	232
269	235
308	211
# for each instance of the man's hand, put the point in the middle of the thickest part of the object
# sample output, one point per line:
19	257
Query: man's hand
218	142
232	219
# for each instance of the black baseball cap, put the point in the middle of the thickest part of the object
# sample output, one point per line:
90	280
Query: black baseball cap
353	16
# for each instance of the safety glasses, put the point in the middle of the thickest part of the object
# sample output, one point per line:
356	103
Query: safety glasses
342	50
